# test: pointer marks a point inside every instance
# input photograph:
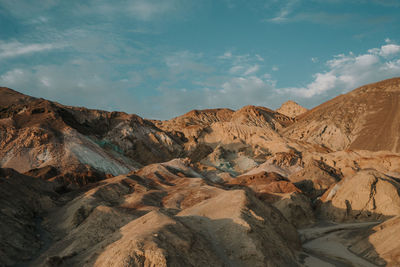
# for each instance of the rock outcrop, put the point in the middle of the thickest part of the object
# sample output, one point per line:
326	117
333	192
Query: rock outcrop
291	109
369	195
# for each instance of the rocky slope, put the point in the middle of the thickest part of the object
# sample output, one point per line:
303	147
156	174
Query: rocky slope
366	118
369	195
251	187
36	133
22	200
174	217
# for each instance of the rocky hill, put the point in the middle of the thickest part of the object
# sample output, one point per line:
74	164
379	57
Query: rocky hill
291	109
36	133
366	118
220	187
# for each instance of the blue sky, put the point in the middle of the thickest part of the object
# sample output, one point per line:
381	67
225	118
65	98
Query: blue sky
162	58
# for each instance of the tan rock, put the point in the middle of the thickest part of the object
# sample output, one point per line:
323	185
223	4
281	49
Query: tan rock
367	118
291	109
369	195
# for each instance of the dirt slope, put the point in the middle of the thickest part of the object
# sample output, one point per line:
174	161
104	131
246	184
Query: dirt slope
366	118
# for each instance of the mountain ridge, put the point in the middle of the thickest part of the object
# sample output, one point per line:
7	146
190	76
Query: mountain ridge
246	187
354	119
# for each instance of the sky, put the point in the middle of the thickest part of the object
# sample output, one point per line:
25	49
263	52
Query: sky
162	58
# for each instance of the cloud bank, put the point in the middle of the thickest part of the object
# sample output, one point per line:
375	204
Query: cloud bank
345	72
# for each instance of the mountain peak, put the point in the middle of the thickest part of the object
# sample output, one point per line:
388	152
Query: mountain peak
291	109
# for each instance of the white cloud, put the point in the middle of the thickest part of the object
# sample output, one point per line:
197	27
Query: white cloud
226	55
346	72
47	82
39	20
15	48
234	81
259	58
243	84
11	77
322	83
251	70
63	83
234	92
392	66
237	81
236	69
185	61
389	49
284	12
242	65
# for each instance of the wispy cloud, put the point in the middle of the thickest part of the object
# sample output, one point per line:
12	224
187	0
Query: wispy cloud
249	85
15	48
148	9
226	55
252	70
141	10
292	11
242	65
186	61
238	80
284	12
114	53
64	82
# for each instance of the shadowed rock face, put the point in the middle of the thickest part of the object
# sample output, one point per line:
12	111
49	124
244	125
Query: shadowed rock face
380	242
22	200
315	178
81	187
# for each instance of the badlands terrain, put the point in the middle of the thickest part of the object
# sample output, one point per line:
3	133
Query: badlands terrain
217	187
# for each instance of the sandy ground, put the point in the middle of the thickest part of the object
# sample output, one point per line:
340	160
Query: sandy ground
324	247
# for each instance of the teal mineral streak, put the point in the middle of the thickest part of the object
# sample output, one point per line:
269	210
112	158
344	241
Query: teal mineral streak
107	144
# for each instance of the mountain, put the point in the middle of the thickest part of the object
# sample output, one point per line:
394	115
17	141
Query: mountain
221	187
291	109
234	141
37	133
366	118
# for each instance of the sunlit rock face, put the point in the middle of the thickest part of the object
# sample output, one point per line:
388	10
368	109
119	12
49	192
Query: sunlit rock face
291	109
366	118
